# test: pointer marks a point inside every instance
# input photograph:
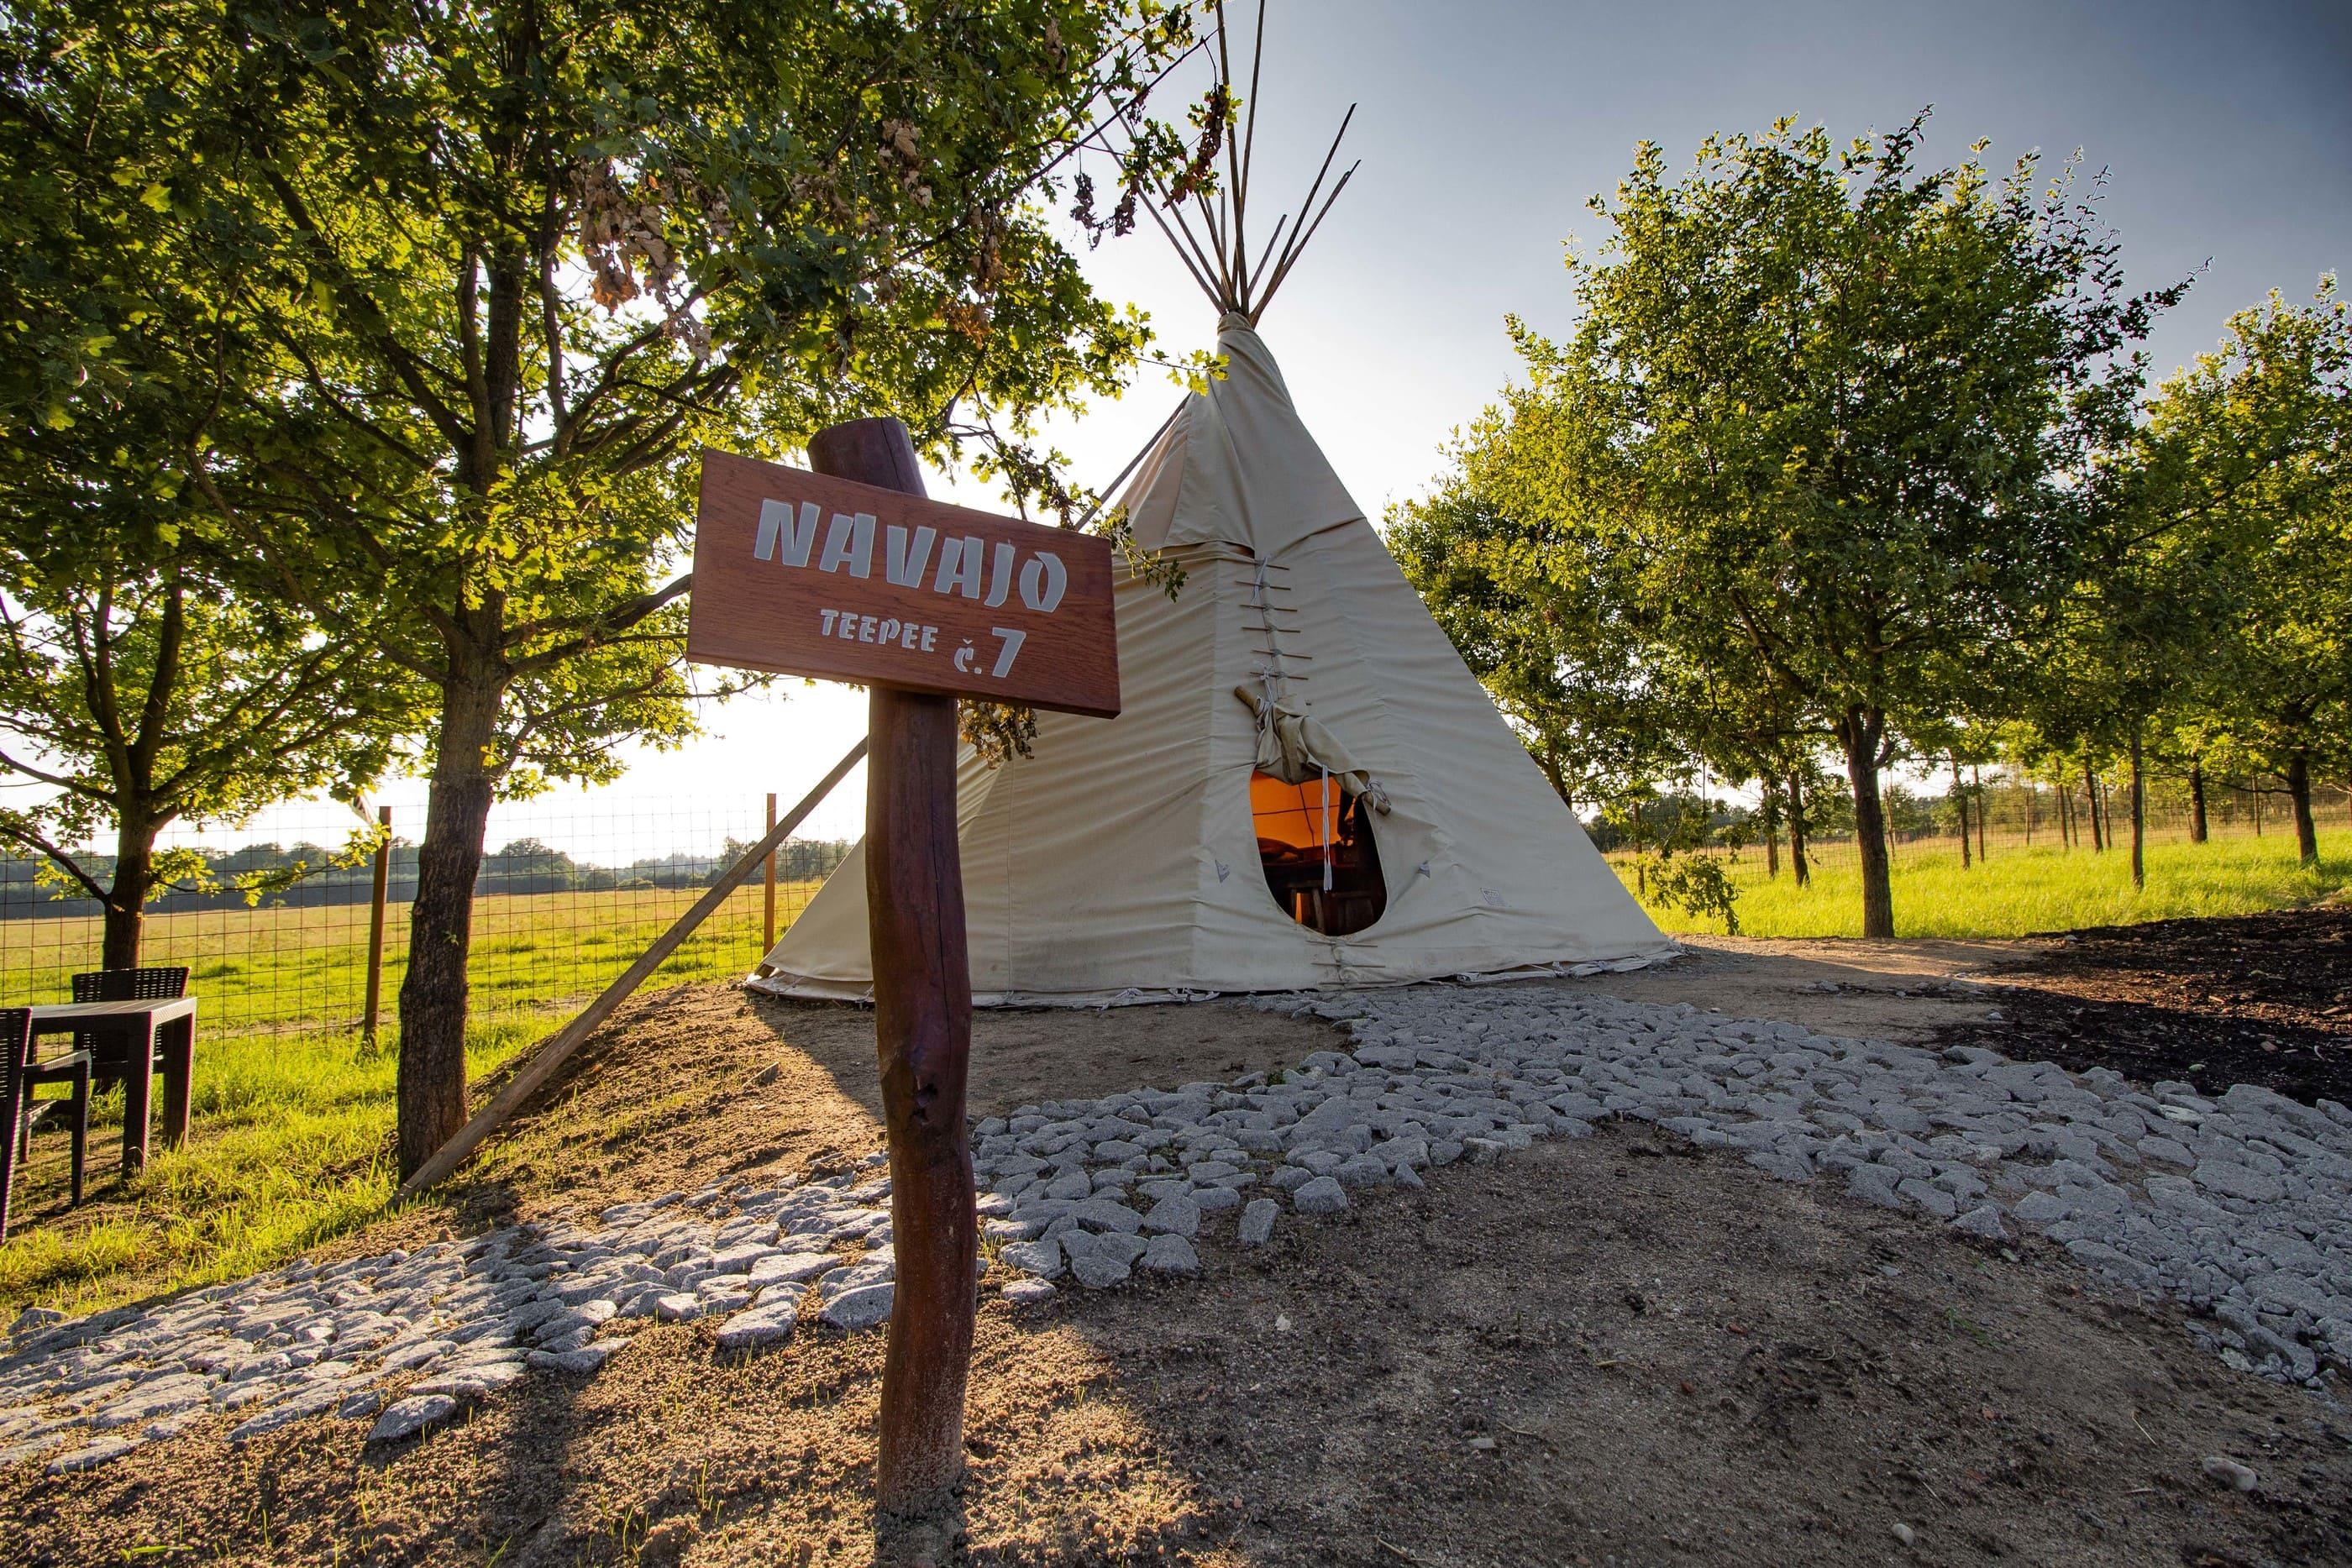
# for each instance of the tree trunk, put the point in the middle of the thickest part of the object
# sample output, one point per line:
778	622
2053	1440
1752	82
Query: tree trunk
2032	791
2091	808
1861	732
1551	765
126	900
1641	857
2197	801
2298	793
1796	866
2066	834
432	1078
1961	808
2139	815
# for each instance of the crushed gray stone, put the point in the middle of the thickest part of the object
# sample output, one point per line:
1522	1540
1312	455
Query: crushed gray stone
2239	1207
409	1416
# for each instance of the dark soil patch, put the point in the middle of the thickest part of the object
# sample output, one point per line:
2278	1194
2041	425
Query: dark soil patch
1622	1350
2257	999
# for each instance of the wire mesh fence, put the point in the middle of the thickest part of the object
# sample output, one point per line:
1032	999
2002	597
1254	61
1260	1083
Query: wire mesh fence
2007	820
276	929
2006	814
277	932
2031	861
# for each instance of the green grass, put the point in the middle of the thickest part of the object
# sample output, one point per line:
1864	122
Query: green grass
306	969
291	1140
291	1146
2019	891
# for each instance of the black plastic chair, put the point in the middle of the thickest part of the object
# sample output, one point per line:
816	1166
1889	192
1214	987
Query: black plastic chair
165	982
19	1075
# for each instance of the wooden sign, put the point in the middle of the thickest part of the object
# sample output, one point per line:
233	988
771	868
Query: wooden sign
806	574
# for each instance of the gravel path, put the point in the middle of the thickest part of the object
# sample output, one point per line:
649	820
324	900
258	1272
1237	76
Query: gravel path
2240	1208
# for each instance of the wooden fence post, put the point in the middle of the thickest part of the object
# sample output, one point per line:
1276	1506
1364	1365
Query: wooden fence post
369	1013
1976	790
768	921
922	1027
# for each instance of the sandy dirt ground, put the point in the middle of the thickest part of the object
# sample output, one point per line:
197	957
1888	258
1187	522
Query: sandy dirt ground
1906	991
1610	1350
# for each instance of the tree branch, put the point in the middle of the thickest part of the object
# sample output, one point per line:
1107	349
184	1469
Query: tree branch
619	618
366	316
18	830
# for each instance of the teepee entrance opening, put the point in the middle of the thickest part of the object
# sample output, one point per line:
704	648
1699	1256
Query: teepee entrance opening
1316	845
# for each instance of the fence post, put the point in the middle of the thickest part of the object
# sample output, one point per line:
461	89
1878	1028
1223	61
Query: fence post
1976	790
768	921
375	926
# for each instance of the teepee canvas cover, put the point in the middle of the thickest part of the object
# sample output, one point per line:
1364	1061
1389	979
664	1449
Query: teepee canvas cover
1120	860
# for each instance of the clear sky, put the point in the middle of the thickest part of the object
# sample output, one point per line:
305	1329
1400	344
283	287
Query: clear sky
1482	127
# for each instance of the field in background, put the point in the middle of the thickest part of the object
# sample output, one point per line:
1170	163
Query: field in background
294	1114
278	969
2020	888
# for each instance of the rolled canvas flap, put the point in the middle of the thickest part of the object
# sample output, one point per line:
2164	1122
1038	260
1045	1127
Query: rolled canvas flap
1296	748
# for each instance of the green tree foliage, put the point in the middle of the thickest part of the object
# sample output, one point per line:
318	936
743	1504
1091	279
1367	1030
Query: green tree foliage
142	678
1662	832
149	696
1528	613
1819	437
2132	641
2252	450
518	261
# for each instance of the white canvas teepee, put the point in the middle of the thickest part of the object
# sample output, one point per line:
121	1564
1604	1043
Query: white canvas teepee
1144	857
1119	860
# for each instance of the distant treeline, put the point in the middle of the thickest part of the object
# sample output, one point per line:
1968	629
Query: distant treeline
1681	816
306	875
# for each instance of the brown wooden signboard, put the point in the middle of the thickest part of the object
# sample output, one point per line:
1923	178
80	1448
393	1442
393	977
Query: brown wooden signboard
806	574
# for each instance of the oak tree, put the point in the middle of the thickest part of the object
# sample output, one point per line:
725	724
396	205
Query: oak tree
1824	417
147	676
526	258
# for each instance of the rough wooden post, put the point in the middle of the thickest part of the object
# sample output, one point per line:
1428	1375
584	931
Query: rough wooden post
922	1027
1976	792
370	1011
768	919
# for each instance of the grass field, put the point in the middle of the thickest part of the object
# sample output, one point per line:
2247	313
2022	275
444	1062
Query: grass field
290	1144
306	969
2019	890
291	1133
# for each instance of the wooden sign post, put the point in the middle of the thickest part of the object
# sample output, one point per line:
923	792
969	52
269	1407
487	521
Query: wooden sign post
841	574
849	572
